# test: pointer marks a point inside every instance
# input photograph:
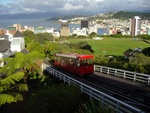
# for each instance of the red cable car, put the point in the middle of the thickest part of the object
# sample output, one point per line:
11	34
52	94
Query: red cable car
75	63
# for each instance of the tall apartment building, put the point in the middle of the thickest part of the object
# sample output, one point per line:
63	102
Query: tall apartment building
84	24
136	26
17	26
65	30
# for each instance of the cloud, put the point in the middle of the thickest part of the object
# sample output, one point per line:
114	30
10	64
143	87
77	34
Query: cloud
73	6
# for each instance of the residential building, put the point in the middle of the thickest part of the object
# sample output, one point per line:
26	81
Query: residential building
17	26
84	24
65	30
3	37
30	28
10	34
40	29
136	26
4	48
56	34
17	43
11	28
112	31
148	31
92	29
80	32
50	30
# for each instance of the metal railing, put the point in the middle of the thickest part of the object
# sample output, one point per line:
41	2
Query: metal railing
144	78
117	105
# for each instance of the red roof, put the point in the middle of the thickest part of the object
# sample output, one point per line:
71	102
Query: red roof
80	56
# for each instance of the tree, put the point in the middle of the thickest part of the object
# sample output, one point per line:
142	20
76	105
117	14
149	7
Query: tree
139	62
21	67
146	51
43	37
29	36
48	100
35	46
8	85
94	107
93	34
50	49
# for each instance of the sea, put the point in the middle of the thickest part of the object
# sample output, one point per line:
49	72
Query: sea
4	23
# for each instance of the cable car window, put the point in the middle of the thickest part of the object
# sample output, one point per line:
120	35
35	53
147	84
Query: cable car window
90	61
86	62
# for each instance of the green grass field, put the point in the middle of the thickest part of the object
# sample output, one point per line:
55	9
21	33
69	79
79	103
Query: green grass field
112	46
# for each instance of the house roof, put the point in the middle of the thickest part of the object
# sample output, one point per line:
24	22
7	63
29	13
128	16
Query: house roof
12	32
4	45
2	32
18	34
3	36
25	51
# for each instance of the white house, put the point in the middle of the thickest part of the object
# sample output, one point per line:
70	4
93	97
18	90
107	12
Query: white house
78	31
50	30
17	42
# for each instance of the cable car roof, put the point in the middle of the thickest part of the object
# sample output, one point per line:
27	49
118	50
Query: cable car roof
75	56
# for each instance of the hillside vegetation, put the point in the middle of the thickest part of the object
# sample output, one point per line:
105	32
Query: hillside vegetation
127	15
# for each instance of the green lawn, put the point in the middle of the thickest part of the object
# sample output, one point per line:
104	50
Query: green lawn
112	46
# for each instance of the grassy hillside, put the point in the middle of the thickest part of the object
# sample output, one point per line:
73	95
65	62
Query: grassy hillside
112	46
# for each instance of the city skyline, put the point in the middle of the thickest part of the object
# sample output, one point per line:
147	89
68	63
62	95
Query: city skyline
71	6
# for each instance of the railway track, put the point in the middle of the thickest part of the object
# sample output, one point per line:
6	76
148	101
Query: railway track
138	99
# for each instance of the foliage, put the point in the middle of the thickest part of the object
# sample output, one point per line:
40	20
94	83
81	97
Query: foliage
8	85
78	47
143	36
43	37
50	49
35	46
93	34
17	69
54	99
139	63
28	63
146	51
93	107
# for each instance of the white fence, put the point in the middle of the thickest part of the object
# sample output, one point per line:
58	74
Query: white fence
123	73
119	106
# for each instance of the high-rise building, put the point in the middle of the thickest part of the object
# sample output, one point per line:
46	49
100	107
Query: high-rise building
84	24
65	30
17	26
136	26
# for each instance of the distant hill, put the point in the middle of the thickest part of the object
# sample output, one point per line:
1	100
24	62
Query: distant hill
65	17
123	15
127	15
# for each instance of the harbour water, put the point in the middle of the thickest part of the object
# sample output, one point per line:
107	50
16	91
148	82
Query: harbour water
4	23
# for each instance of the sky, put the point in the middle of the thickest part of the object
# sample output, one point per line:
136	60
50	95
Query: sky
71	6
